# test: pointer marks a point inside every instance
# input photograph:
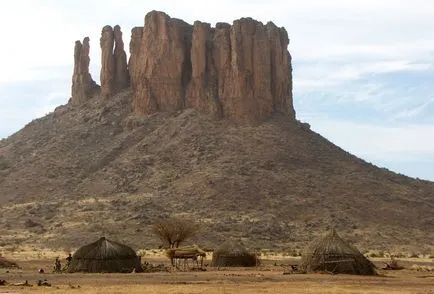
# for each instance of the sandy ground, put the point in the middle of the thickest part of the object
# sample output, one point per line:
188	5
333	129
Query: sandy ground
268	278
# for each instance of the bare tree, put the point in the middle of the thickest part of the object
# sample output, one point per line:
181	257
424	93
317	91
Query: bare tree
174	231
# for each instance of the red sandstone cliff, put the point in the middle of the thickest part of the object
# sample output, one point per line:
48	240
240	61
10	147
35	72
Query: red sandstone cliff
241	72
107	62
162	66
83	85
114	74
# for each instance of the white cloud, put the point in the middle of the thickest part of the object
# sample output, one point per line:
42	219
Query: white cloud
326	74
413	112
378	142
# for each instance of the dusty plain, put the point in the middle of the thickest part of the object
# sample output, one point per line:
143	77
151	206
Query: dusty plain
269	277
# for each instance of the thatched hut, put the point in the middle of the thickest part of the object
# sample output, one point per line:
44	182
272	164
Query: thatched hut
185	253
4	263
233	254
104	256
332	254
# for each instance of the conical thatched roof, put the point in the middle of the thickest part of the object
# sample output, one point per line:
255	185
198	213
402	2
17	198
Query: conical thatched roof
4	263
332	254
233	254
104	256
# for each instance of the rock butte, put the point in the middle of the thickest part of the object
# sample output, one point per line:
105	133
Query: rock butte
241	72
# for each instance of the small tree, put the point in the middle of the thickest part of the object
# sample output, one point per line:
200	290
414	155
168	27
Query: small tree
174	231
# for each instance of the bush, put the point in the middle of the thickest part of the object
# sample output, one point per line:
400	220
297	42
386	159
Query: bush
174	231
378	254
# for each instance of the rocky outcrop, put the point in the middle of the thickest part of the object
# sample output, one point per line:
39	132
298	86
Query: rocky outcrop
162	67
241	72
83	86
107	74
114	74
203	91
122	77
135	43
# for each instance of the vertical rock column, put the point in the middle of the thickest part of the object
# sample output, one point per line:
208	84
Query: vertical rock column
135	43
247	96
281	70
162	67
202	91
107	75
122	77
114	69
82	84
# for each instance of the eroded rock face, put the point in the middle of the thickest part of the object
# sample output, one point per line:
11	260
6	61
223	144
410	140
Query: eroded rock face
83	86
107	75
135	43
114	74
122	77
162	66
240	72
203	89
281	69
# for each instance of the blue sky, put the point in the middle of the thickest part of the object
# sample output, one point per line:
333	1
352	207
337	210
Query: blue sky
363	70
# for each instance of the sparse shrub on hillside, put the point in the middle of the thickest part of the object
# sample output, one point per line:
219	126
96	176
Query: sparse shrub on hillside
377	254
398	255
174	231
292	252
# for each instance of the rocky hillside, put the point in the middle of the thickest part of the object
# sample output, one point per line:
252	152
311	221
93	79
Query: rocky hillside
81	172
101	166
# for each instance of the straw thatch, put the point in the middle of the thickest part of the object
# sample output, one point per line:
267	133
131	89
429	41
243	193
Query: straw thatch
104	256
185	252
4	263
332	254
232	254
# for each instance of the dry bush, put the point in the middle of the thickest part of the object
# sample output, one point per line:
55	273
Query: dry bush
377	254
422	268
174	231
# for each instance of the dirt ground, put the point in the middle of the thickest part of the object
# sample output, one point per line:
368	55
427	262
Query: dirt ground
267	278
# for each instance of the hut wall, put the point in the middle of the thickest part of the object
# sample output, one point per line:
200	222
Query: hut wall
245	260
104	265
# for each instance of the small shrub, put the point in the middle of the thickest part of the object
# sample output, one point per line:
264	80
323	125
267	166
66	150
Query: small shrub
378	254
293	252
398	255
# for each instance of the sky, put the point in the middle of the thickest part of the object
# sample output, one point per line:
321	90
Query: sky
363	70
